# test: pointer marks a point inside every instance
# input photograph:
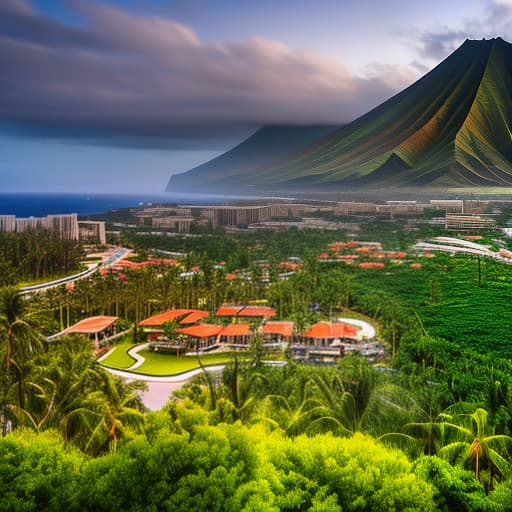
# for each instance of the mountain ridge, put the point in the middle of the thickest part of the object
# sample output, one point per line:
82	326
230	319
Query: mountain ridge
450	128
265	147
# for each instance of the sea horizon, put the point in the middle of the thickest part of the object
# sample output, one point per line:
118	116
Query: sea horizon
36	204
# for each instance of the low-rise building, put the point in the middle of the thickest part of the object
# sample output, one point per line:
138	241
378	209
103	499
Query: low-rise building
468	222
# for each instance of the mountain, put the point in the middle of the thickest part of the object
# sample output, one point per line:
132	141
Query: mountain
451	128
269	146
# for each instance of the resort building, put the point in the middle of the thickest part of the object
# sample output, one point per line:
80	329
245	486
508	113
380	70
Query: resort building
251	313
201	337
228	311
329	334
154	326
449	205
30	224
178	224
92	232
97	328
7	223
240	215
260	313
65	225
468	222
277	333
237	336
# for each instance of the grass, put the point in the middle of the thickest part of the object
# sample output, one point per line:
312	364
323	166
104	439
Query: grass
168	364
119	357
53	277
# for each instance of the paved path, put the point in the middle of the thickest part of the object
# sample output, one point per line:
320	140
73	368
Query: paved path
134	352
159	389
182	377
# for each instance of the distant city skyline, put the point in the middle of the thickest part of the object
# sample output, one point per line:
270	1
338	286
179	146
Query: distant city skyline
116	95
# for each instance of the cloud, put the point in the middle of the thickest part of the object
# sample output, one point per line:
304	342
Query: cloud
124	74
495	21
439	44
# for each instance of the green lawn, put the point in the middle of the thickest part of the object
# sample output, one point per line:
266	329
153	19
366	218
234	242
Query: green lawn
53	277
168	364
119	357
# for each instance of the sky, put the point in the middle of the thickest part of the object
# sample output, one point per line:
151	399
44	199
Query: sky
117	95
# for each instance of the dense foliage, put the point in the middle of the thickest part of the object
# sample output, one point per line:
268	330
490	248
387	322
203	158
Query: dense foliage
432	432
36	255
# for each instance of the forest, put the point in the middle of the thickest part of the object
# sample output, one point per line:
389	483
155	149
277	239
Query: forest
36	256
431	430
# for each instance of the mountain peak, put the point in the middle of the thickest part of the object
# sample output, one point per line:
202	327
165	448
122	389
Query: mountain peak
450	128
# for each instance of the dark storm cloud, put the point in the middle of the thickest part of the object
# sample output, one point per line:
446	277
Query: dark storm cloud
124	74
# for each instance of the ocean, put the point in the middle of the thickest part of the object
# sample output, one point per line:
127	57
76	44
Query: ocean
40	204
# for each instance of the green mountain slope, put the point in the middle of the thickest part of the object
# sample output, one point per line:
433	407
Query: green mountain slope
450	128
268	146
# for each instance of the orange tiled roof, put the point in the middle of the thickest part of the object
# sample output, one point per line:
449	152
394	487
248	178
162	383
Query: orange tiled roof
91	325
201	330
168	316
371	264
258	311
331	330
194	317
227	310
236	330
282	328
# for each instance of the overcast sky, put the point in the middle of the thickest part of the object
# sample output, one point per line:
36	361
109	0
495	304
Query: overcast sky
117	95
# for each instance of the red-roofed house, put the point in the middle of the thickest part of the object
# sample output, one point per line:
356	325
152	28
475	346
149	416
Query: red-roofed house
201	336
324	333
262	312
238	335
97	328
153	326
278	332
228	310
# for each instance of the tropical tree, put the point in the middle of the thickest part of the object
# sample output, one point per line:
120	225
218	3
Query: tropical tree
107	414
477	446
21	338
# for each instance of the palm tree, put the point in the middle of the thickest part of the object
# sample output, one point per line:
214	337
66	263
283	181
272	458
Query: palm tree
22	341
107	414
356	399
240	388
293	419
426	437
477	444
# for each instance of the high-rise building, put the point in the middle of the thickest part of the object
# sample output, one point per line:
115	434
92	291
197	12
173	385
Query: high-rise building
92	231
65	225
240	215
7	223
179	224
30	224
